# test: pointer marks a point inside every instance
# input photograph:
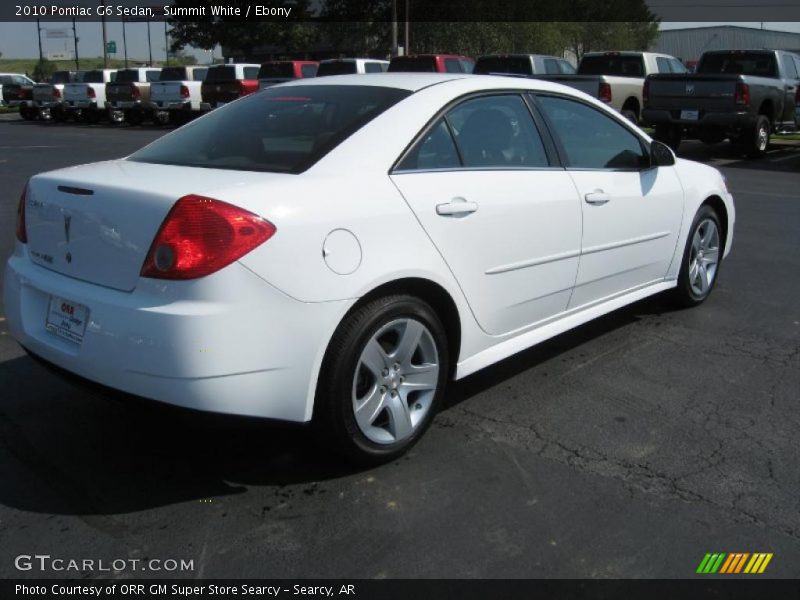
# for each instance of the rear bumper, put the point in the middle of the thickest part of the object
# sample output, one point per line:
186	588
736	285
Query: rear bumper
718	120
48	104
78	104
227	343
171	105
124	104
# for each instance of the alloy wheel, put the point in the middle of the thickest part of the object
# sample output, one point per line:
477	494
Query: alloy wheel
704	257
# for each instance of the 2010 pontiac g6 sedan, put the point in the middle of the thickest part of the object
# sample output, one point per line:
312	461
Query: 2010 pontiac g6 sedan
336	251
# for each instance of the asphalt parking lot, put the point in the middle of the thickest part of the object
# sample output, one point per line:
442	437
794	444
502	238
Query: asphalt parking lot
627	448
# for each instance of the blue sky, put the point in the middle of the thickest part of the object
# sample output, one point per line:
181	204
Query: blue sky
18	39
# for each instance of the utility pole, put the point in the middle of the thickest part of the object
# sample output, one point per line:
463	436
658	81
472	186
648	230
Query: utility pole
75	39
39	32
149	45
166	42
408	30
105	35
394	27
124	43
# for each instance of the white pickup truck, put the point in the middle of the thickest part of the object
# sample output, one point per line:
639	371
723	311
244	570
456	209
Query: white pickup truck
178	91
617	78
88	98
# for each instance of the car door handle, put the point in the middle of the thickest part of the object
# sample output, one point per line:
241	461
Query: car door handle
457	206
597	197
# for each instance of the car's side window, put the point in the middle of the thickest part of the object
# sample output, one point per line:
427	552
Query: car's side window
251	72
372	67
551	66
591	139
677	66
567	68
497	131
309	70
451	65
152	75
434	150
199	74
789	67
663	65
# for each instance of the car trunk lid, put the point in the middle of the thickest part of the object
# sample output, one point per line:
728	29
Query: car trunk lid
96	222
165	91
708	92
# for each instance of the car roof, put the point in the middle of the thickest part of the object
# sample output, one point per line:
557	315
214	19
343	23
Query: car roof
414	82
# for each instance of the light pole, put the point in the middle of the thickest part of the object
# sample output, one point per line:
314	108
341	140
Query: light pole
394	27
75	38
105	35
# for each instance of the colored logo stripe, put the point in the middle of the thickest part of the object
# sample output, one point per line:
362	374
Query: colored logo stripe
734	563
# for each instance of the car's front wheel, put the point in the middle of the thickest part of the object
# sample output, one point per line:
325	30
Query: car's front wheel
383	378
701	259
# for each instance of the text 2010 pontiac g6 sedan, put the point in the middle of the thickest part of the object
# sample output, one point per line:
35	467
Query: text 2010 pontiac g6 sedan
338	250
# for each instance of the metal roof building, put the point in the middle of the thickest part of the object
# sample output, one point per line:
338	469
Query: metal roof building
688	44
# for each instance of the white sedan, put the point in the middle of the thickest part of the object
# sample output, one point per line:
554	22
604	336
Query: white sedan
337	250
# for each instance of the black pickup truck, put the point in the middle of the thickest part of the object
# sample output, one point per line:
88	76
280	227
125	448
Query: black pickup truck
742	95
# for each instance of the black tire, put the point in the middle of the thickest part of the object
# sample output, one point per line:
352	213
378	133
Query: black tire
670	135
90	115
58	114
334	413
134	117
27	113
684	295
755	141
630	114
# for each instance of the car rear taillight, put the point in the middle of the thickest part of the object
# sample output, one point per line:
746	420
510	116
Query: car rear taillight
605	92
22	234
202	235
20	93
184	91
136	93
646	93
90	92
56	93
742	93
248	86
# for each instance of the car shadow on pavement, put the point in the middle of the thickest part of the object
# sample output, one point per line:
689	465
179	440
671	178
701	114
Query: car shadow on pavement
782	156
75	448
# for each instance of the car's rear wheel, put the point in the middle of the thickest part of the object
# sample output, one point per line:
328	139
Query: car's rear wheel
27	113
383	378
756	140
59	114
701	259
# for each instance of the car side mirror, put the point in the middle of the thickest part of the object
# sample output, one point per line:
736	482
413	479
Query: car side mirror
661	155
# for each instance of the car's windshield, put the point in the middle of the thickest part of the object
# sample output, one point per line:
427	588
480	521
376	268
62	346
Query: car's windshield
612	64
221	74
338	67
276	70
417	64
127	76
517	65
173	74
760	64
282	130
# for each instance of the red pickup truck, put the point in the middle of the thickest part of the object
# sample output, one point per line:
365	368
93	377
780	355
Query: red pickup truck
226	83
277	71
431	63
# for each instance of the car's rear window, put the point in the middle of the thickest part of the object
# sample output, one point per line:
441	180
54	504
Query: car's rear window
339	67
173	74
277	70
62	77
517	65
96	77
221	74
127	76
282	130
414	64
612	64
760	64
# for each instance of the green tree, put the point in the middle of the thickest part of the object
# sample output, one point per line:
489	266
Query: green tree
44	69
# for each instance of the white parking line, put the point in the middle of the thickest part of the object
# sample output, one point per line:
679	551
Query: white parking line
736	191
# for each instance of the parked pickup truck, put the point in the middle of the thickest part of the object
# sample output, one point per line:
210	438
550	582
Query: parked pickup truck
617	78
226	83
129	94
48	98
87	99
277	71
743	95
17	90
431	63
351	66
178	92
522	64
